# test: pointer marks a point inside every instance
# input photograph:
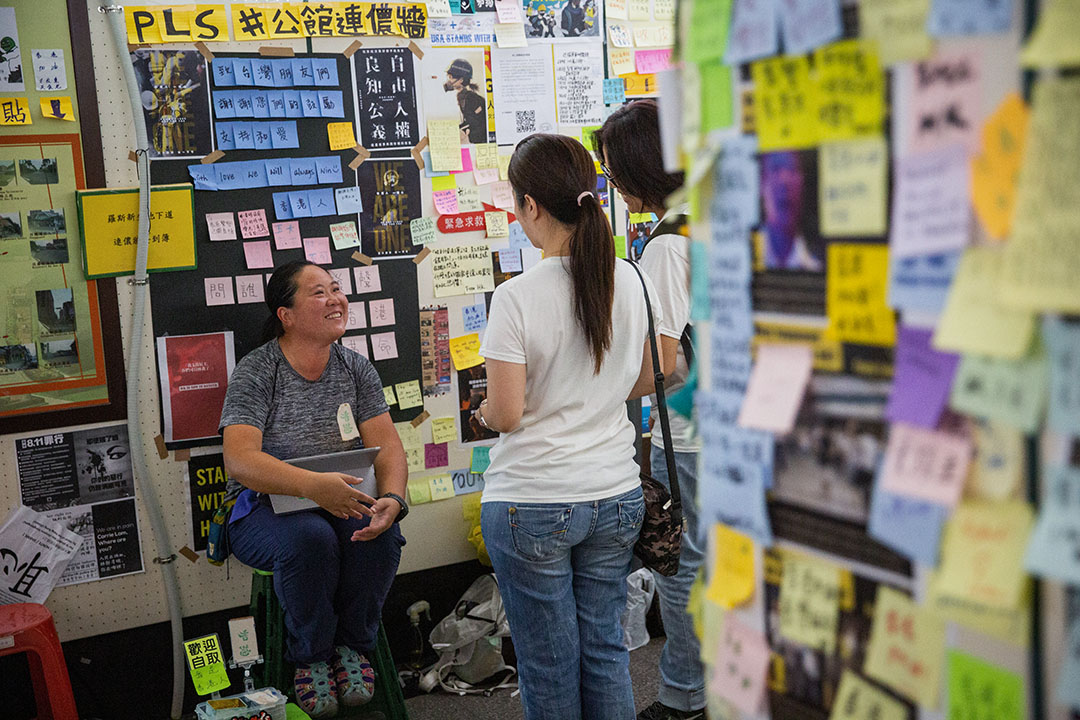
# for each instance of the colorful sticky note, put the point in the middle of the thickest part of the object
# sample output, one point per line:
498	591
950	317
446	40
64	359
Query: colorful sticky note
410	436
419	492
367	279
908	526
857	277
253	223
206	663
382	312
614	91
287	235
422	230
1062	342
807	24
444	143
497	224
1051	44
1012	392
480	459
258	255
1000	460
922	378
348	200
776	388
465	351
898	27
444	429
502	195
925	464
853	187
317	250
753	33
442	487
249	289
56	108
384	346
907	647
732	580
391	398
738	676
850	91
809	602
474	317
946	100
979	689
996	167
783	107
414	458
436	455
446	201
219	291
968	17
409	395
221	226
857	699
340	135
344	235
1054	549
931	206
717	105
15	111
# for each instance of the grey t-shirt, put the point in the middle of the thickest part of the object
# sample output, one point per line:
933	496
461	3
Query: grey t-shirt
297	416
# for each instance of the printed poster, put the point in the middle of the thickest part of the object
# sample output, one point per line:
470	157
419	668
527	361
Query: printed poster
33	554
194	372
524	82
176	103
558	19
435	351
206	478
386	89
83	481
11	65
391	189
454	85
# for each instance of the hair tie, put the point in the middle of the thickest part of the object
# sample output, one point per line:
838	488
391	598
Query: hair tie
582	197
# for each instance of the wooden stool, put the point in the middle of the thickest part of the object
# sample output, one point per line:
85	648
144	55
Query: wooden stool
277	672
28	628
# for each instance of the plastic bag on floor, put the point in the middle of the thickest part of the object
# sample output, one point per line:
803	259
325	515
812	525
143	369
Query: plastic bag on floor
640	589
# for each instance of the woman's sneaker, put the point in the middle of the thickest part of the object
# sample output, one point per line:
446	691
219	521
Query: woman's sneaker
315	690
660	711
354	676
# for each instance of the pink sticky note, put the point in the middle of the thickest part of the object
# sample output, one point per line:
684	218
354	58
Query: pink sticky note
742	661
222	226
343	277
258	254
382	312
485	176
356	343
367	279
466	162
253	223
946	102
287	235
249	289
925	464
317	250
436	455
219	291
445	201
357	320
502	195
652	61
383	346
776	388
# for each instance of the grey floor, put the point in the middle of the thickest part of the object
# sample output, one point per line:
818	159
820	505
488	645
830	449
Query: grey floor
500	706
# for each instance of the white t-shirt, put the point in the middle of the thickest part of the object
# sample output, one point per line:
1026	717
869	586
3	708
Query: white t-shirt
575	442
666	262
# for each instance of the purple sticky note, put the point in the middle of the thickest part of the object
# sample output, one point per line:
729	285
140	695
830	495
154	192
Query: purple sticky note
922	379
436	455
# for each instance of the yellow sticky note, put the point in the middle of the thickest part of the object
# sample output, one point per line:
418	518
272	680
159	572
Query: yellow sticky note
414	456
974	319
206	664
410	436
340	135
849	91
419	492
57	108
898	27
809	602
388	393
996	168
465	351
249	21
1053	43
732	578
442	487
497	224
983	552
470	508
857	279
1010	625
487	156
444	182
857	699
620	60
15	111
853	187
443	429
783	103
504	166
176	25
285	21
712	628
143	24
999	462
444	143
907	644
409	395
210	23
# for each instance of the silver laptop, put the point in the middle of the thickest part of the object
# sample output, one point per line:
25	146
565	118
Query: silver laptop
358	463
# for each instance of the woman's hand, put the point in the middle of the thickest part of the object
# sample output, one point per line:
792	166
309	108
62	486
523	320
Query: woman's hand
385	513
334	492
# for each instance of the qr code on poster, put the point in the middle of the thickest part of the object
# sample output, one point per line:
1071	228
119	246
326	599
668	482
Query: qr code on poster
525	120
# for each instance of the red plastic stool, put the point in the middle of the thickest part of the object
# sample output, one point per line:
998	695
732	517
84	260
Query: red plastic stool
28	628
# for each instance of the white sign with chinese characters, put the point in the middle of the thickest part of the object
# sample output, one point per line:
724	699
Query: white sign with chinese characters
50	70
34	551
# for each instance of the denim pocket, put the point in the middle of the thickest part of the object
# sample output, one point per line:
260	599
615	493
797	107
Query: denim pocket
537	531
631	513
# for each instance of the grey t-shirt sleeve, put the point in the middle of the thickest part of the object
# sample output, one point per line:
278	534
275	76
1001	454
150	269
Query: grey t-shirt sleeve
250	391
370	399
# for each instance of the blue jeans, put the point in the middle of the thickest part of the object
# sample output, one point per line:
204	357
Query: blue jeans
562	571
331	588
682	677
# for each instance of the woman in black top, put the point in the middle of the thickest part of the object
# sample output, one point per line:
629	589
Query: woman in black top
472	105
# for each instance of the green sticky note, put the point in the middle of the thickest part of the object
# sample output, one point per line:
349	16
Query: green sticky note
480	459
587	137
620	246
206	664
979	689
699	281
707	31
717	104
419	493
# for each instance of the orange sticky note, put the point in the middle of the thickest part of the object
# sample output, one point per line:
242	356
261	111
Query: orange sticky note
15	111
341	135
996	168
57	108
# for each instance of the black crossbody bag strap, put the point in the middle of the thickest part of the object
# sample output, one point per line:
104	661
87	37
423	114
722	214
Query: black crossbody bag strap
661	402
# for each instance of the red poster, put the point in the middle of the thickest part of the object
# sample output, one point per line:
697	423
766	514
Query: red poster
194	372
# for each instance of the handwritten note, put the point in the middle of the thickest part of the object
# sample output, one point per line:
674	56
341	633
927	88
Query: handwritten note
922	379
1010	391
219	291
1062	342
807	24
921	282
850	91
1000	460
1054	549
443	429
287	235
409	395
809	602
481	459
777	386
856	699
753	32
391	399
732	580
853	187
981	690
436	455
931	206
249	289
857	277
348	200
465	351
996	168
898	27
357	319
423	230
221	226
344	235
446	201
652	61
340	135
783	103
258	255
462	270
969	17
945	94
382	312
738	676
442	487
411	437
496	224
383	346
444	143
910	527
367	279
907	647
317	250
614	91
1051	44
925	464
253	223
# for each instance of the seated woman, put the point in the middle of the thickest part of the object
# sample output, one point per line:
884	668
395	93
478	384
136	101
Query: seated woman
301	394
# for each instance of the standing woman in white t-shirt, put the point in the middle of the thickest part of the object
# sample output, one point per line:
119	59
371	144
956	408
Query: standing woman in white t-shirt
562	504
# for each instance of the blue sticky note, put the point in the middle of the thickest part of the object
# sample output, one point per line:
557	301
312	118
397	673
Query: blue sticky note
260	105
243	136
303	171
222	70
328	169
276	102
261	132
294	107
518	238
204	177
1062	342
262	70
322	202
1054	548
283	134
325	71
309	103
910	527
242	72
223	136
330	104
283	73
298	200
224	107
278	172
481	459
426	155
244	106
1068	687
229	176
614	91
474	317
282	206
466	481
808	24
735	176
752	33
348	200
969	17
254	173
921	282
302	75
